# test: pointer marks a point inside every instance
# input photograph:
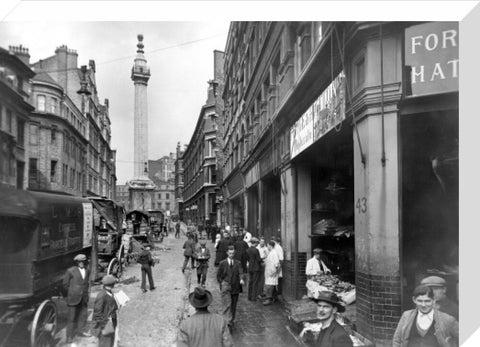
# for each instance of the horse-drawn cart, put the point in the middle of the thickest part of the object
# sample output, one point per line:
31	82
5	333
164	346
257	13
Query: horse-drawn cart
40	233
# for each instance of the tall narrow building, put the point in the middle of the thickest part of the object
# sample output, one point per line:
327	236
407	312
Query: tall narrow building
140	187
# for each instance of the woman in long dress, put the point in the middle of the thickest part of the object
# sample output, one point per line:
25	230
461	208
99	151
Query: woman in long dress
272	270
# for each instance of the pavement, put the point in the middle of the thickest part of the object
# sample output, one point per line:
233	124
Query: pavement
152	318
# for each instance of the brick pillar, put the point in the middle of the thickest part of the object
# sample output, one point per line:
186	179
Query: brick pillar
288	227
377	233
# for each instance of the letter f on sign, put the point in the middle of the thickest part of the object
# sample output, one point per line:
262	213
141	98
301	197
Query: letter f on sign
416	43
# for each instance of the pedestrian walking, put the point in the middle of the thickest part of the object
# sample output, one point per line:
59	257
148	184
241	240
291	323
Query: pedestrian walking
331	333
189	250
76	284
241	250
105	313
222	248
230	279
202	255
177	230
146	260
203	328
272	269
425	326
254	269
442	302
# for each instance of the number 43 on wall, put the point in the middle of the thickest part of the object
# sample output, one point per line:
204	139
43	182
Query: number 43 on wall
361	205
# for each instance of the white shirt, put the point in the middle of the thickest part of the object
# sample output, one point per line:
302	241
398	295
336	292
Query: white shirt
263	251
314	267
82	272
424	321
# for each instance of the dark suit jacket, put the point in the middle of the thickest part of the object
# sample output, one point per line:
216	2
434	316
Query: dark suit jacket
334	336
222	249
75	286
198	253
241	251
223	274
105	307
254	260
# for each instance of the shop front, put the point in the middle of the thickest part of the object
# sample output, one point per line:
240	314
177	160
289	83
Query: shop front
429	132
322	156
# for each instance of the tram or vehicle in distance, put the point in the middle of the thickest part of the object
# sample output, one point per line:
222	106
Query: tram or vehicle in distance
108	219
40	234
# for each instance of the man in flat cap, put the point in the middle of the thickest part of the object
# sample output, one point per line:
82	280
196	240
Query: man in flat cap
425	326
105	313
331	333
203	328
76	284
442	302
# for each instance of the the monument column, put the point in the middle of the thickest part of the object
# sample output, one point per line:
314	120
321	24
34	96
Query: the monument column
140	187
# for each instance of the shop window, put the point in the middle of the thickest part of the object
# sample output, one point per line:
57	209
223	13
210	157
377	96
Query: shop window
41	103
53	170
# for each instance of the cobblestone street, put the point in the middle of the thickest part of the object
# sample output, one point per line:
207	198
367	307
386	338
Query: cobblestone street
152	318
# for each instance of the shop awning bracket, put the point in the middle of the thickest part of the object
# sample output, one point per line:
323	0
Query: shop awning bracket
341	51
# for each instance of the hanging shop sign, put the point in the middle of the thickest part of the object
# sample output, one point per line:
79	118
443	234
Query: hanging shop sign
431	55
326	112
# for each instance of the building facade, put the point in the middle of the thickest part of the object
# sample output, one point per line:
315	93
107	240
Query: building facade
200	189
324	148
122	196
15	109
179	181
70	129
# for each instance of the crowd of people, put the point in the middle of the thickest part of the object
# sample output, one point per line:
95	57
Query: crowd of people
241	258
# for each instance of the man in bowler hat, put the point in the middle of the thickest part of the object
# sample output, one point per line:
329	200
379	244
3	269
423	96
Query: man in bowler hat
76	284
203	328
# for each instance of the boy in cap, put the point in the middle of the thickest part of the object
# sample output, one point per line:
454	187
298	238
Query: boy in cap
442	302
331	332
203	328
76	284
254	269
425	326
105	313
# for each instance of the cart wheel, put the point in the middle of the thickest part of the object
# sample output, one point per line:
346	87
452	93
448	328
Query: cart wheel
44	325
115	268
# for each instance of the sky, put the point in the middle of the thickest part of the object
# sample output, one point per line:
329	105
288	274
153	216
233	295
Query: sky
180	56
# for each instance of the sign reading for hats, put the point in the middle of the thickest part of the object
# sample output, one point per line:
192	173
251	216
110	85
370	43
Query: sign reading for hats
431	53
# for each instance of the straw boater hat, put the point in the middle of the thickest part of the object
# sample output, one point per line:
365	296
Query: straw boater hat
80	257
331	298
200	298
